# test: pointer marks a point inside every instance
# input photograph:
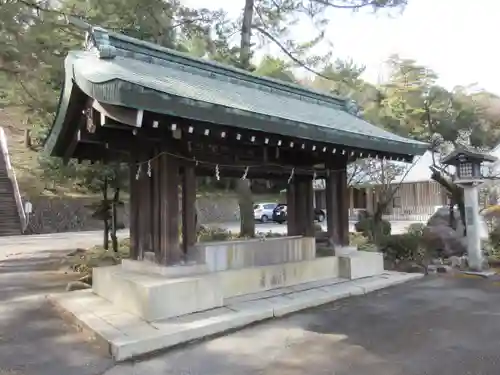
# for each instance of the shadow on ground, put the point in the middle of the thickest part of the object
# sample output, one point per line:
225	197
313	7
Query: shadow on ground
46	260
33	338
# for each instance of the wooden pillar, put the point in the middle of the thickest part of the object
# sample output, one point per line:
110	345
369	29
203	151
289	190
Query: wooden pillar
188	208
145	202
134	212
343	207
309	207
331	207
300	206
170	251
156	192
291	202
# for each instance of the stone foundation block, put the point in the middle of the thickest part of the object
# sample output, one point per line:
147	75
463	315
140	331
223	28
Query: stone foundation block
359	264
182	270
154	292
154	296
228	255
258	279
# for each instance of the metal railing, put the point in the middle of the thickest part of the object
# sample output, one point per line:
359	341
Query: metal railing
12	176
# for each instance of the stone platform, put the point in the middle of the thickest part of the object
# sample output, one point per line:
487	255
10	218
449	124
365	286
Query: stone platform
153	292
227	255
126	335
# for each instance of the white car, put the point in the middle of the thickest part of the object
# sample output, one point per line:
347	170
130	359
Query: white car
263	212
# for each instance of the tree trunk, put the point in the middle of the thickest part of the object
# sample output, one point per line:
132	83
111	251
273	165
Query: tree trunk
246	35
456	194
451	210
247	221
114	204
106	222
27	139
377	222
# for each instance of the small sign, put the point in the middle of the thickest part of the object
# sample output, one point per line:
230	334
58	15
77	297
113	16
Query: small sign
319	184
469	216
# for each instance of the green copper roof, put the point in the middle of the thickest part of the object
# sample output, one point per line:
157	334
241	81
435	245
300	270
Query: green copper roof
123	71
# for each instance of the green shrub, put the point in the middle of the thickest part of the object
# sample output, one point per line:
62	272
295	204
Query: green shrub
494	237
271	234
209	234
416	229
361	242
83	261
372	230
407	246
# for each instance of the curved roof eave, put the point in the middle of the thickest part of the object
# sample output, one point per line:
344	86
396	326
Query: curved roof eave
53	138
115	90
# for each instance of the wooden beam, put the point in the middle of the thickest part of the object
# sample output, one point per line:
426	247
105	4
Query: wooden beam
73	144
121	124
124	115
191	128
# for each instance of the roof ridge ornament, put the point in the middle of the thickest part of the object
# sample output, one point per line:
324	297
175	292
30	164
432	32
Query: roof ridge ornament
96	38
352	107
97	41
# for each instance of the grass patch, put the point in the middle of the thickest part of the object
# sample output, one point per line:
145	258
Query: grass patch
83	260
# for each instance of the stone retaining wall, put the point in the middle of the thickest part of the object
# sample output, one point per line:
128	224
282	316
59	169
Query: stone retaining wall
52	214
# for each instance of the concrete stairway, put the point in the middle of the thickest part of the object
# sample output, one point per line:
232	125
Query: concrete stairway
10	222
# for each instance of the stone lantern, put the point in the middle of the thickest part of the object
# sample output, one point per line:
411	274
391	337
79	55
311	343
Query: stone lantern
468	166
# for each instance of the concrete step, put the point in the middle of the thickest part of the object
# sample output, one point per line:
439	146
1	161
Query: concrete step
128	336
8	209
4	232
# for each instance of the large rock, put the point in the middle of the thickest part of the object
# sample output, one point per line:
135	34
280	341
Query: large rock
444	241
441	239
442	218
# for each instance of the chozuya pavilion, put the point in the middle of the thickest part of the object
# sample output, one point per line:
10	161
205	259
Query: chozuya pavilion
173	117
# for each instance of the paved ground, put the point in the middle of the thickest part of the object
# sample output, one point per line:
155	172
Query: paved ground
53	241
33	339
438	326
397	227
63	241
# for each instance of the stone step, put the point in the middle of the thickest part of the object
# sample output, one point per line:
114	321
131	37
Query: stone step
128	336
9	234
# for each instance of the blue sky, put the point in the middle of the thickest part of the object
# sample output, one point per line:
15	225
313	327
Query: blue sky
456	38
